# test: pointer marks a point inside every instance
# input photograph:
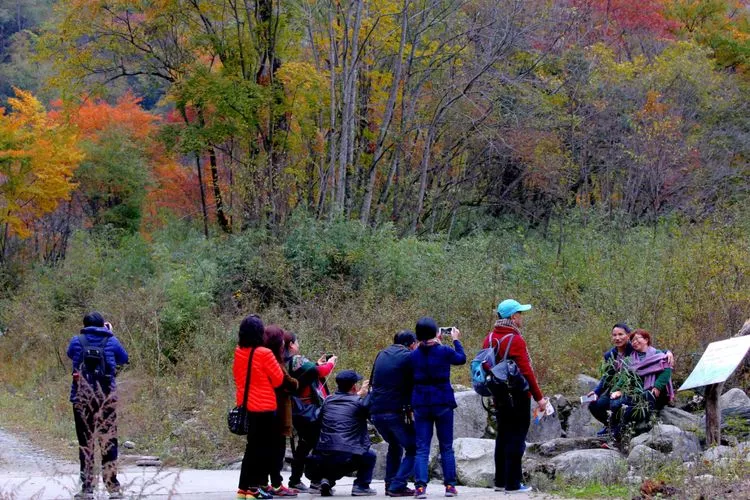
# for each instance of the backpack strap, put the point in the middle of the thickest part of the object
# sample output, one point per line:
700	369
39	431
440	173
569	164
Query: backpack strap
505	356
499	342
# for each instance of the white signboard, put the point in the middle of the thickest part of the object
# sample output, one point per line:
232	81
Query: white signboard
718	362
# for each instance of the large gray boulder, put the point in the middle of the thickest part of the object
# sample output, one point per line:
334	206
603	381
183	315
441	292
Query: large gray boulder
734	398
558	446
599	465
735	422
547	428
581	423
470	417
381	450
641	456
475	462
717	453
585	384
675	443
680	418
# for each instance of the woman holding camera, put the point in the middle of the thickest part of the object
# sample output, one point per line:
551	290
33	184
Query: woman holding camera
312	391
433	402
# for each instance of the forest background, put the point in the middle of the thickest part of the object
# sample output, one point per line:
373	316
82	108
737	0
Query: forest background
344	167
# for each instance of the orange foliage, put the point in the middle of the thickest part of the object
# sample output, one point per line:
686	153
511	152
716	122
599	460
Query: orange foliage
94	117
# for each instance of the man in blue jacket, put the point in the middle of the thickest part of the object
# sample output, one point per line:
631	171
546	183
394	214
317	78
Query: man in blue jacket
344	443
95	354
390	411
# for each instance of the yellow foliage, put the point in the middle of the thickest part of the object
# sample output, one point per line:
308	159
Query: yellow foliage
37	160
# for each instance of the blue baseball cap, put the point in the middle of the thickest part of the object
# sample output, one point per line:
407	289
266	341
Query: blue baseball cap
509	307
346	379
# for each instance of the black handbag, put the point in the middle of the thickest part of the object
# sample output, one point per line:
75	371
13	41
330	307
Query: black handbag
507	376
238	419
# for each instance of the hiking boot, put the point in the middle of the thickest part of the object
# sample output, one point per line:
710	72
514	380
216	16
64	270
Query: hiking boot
499	488
325	488
282	491
403	492
84	494
299	486
420	492
522	489
450	491
359	491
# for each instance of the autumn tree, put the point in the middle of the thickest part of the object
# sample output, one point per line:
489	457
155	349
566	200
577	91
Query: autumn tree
37	160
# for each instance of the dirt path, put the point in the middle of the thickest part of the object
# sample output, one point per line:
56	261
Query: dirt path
19	456
27	471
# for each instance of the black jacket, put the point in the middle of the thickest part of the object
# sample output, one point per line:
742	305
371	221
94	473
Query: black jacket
344	425
391	380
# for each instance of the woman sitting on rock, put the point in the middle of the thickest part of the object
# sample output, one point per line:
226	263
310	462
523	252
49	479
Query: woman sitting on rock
645	385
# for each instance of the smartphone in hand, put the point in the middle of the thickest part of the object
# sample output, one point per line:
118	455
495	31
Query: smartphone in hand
588	399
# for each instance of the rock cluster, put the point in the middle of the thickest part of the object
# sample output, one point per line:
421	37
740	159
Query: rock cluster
565	444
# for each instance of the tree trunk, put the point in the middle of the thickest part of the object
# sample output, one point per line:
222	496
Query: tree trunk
349	100
203	193
218	198
389	108
424	167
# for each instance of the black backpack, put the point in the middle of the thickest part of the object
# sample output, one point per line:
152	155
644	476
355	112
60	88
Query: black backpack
93	367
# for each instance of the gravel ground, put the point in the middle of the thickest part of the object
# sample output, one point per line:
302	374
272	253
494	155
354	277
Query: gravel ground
18	456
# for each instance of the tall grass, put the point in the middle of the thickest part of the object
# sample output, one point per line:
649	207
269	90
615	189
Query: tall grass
175	301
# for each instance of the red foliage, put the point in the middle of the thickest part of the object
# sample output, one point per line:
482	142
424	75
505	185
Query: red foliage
616	19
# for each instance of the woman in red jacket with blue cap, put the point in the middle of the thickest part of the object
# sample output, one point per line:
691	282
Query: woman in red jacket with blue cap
513	417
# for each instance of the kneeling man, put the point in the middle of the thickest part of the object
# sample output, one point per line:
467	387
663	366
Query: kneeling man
344	444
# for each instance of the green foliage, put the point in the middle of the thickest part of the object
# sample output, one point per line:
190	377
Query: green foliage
176	301
113	180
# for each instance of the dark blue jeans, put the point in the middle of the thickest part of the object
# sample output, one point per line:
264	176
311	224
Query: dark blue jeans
510	443
334	465
441	418
599	408
400	437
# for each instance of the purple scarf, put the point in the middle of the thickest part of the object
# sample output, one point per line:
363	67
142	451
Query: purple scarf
649	366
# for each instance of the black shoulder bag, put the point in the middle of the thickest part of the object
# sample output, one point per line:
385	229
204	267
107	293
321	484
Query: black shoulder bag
237	419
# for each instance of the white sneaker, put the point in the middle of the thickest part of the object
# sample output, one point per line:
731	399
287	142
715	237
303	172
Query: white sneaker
522	489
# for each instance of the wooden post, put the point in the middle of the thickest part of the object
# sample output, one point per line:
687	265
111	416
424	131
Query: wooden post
713	414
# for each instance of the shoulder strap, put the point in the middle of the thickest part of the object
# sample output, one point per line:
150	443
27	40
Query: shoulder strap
505	356
247	377
499	342
83	341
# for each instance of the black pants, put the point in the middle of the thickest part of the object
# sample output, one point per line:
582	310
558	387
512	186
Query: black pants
278	454
334	465
96	422
510	444
307	434
599	408
256	465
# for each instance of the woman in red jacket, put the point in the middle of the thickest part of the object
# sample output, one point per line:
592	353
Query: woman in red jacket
265	376
513	417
